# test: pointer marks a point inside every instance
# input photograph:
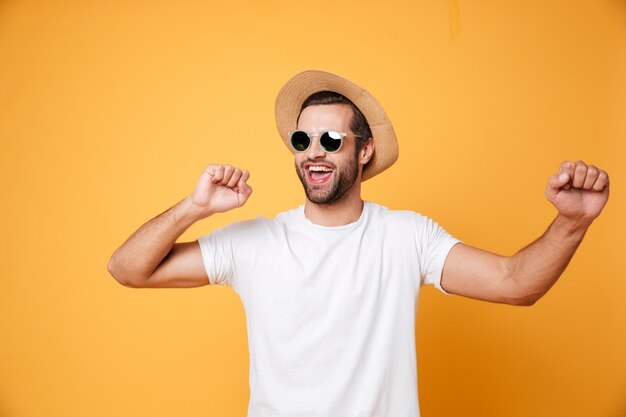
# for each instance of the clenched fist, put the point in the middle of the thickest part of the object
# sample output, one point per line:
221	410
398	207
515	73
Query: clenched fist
578	191
221	188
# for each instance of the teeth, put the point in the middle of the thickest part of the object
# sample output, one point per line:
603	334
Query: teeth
320	168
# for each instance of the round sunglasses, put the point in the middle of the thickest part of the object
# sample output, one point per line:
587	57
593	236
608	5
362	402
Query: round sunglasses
330	141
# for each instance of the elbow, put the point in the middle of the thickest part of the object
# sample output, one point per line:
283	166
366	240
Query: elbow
114	270
524	299
525	302
518	291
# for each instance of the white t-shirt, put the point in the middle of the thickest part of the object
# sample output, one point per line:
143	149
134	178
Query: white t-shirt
330	311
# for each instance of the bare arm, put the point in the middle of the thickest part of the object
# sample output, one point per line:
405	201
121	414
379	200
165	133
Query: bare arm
579	192
150	258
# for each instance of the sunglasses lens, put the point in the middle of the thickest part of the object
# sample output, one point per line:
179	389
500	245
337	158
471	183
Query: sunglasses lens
331	141
300	141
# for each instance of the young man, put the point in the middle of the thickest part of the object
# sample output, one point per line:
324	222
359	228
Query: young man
330	289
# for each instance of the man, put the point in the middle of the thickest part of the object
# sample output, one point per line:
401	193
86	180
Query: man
330	288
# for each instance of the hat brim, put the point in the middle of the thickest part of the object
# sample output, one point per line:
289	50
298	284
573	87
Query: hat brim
301	86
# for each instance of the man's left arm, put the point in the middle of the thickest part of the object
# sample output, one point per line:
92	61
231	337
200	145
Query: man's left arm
579	192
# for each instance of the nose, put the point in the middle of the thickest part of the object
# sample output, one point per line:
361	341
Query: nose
315	149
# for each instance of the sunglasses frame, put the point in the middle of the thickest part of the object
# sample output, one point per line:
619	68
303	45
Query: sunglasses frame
319	137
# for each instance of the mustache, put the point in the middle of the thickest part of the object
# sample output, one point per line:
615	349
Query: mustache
310	161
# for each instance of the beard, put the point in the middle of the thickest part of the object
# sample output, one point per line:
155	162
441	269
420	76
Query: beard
342	180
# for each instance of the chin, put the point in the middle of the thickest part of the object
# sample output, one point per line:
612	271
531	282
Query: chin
321	198
331	194
336	188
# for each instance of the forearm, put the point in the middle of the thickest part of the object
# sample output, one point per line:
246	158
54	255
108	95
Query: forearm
144	250
535	268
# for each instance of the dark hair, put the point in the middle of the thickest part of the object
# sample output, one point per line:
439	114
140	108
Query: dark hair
358	124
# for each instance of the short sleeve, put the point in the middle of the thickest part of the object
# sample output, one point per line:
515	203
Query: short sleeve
217	256
435	245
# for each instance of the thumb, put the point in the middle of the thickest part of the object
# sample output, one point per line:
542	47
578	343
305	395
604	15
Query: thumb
556	182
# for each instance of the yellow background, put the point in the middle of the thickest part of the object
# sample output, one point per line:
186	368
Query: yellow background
109	111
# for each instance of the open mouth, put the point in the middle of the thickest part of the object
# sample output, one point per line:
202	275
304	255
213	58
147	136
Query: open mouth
318	174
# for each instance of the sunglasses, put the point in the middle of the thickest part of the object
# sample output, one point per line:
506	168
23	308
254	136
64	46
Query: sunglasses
330	141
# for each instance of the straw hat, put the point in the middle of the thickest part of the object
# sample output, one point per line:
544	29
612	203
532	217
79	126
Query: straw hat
301	86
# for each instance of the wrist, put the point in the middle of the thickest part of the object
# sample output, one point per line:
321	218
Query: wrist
572	225
190	212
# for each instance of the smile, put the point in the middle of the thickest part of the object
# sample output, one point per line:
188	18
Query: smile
318	174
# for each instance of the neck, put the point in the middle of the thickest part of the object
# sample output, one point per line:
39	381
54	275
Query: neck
344	211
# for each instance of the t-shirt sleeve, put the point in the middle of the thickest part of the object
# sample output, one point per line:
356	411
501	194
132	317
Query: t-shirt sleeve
218	256
435	244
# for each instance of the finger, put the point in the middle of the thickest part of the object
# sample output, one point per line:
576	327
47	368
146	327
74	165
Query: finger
210	170
579	174
567	167
218	174
592	176
245	174
234	179
602	182
228	172
244	188
241	182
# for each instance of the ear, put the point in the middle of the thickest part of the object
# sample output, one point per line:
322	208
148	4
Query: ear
367	151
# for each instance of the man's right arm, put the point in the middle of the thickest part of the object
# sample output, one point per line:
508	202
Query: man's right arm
151	258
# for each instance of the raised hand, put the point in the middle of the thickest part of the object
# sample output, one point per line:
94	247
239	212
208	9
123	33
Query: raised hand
221	188
578	191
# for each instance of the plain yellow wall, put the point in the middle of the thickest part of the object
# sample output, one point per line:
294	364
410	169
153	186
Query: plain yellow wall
109	111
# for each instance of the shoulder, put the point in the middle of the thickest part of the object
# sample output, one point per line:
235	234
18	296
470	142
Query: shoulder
404	222
401	217
259	226
287	217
